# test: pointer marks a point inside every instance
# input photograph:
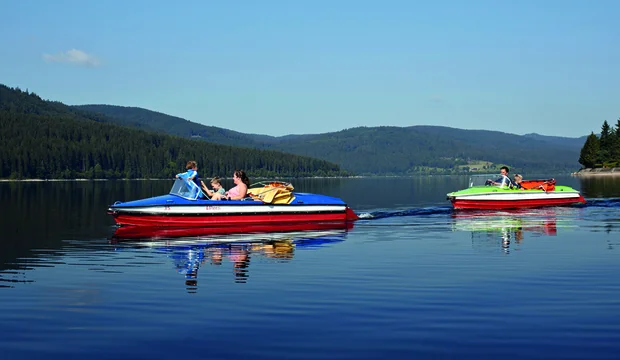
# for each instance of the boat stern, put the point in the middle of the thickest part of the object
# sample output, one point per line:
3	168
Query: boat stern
350	214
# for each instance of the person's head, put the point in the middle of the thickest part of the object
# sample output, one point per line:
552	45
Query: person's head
518	178
504	170
240	176
191	165
215	183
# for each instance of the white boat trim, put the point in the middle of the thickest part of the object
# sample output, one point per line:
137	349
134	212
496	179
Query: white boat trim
227	210
518	196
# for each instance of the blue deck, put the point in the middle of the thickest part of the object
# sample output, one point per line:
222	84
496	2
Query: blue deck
168	199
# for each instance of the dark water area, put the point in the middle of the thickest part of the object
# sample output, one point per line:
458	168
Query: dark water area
411	279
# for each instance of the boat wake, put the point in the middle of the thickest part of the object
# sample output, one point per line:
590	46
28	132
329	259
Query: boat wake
611	203
427	211
447	210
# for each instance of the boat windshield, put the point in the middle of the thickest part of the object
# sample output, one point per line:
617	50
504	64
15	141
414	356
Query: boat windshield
496	180
186	189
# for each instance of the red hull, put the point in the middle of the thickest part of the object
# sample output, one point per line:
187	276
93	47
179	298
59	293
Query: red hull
269	220
149	232
513	204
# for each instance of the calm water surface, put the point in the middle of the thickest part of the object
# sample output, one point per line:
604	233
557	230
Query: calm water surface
411	279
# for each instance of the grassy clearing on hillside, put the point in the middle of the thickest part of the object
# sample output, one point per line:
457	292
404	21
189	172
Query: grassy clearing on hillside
480	166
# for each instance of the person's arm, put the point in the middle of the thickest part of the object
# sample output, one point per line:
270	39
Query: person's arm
206	189
182	175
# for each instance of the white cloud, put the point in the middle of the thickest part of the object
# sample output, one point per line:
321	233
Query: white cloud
73	56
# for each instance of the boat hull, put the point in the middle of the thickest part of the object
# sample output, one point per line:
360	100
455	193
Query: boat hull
515	201
172	211
219	219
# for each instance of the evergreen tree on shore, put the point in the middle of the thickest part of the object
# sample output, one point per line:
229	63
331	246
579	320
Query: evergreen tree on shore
603	151
615	144
589	152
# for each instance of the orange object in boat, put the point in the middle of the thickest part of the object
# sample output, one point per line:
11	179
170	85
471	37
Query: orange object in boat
546	185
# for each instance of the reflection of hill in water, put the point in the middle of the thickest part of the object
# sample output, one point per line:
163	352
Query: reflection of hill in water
238	251
41	215
493	228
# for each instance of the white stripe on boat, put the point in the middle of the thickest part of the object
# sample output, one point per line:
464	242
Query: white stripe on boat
519	196
218	209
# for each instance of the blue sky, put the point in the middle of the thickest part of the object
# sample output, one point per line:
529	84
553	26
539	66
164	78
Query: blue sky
295	67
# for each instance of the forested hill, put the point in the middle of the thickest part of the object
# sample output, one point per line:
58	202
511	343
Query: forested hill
159	122
571	143
384	150
44	139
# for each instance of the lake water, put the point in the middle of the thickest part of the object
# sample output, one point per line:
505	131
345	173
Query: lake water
411	279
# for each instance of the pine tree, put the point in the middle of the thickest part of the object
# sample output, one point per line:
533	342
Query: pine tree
615	144
589	151
605	143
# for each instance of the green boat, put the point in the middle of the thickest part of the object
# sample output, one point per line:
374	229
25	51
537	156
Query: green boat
486	193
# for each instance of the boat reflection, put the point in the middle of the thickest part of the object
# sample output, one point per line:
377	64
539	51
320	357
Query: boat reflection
505	227
191	253
124	233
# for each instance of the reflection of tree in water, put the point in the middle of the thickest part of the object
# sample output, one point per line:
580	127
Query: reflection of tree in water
599	186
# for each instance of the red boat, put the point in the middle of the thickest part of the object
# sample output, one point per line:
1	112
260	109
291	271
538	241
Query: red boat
270	206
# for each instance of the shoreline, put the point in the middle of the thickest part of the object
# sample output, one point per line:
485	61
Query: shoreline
286	177
598	172
157	179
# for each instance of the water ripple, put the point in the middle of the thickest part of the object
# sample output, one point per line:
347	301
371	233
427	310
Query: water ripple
427	211
603	202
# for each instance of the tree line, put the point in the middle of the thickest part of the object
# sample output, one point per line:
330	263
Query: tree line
48	140
383	150
603	151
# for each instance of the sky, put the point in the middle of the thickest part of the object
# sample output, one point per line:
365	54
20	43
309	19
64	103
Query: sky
316	66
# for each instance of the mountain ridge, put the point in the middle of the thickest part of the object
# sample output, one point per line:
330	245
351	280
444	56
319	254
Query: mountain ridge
104	108
382	150
50	140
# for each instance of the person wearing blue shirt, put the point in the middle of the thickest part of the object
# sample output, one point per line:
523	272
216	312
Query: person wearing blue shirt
191	173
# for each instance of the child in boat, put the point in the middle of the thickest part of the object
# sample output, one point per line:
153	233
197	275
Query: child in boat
517	182
216	185
191	173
